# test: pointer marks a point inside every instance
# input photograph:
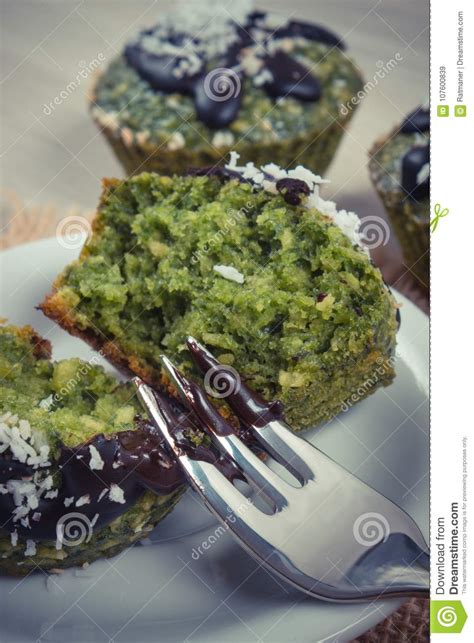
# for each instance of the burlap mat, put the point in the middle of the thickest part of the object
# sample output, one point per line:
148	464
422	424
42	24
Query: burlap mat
411	622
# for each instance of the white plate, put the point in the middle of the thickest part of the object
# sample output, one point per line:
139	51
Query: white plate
162	592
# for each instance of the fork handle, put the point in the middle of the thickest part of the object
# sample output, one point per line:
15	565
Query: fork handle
404	573
414	583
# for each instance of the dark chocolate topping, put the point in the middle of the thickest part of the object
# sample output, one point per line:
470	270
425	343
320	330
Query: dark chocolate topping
175	419
290	78
216	113
217	90
250	407
215	170
291	189
417	156
157	71
133	460
417	121
413	161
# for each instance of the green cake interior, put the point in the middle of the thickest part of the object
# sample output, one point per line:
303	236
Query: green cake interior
70	400
309	324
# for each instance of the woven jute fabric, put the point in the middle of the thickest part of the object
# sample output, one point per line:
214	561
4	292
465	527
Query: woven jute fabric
410	623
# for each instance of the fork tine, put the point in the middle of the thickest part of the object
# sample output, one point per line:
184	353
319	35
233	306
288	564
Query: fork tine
219	494
267	483
247	404
264	419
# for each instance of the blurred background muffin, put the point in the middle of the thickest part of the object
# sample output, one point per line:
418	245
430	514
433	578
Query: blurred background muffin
400	171
202	82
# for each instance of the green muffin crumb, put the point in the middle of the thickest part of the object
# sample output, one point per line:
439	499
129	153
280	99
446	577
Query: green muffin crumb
70	400
302	313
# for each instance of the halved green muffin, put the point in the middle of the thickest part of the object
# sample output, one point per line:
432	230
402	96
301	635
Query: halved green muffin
250	261
77	460
400	171
209	79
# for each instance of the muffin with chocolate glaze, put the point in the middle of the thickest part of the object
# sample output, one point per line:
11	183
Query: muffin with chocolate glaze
400	171
82	475
254	264
206	80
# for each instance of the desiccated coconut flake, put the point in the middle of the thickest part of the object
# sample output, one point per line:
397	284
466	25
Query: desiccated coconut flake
268	175
30	548
19	513
96	461
274	171
205	34
306	175
230	273
83	500
116	494
25	444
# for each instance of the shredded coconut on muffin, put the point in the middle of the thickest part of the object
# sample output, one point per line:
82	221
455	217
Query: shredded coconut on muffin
266	177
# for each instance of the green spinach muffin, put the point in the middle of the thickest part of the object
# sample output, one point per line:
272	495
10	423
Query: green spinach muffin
82	475
400	171
207	79
250	261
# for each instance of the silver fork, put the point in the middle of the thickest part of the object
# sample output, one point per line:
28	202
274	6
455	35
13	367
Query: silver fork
333	537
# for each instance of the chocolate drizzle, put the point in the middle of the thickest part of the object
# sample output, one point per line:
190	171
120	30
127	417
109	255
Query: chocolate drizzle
248	405
292	190
133	460
216	87
214	113
290	78
417	156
